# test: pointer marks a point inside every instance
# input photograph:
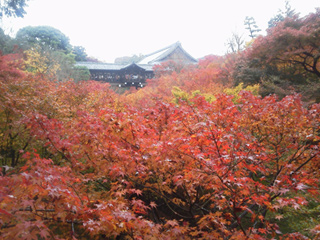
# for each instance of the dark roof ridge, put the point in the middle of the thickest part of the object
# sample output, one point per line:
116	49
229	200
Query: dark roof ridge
100	63
132	65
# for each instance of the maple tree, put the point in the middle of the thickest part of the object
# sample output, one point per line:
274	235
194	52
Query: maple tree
53	65
294	44
194	154
286	60
209	77
99	166
48	53
41	63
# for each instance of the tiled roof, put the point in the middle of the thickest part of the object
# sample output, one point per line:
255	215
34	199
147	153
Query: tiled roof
100	66
160	55
146	63
150	58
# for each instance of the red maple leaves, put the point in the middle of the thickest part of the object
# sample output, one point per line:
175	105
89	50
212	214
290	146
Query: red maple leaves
91	165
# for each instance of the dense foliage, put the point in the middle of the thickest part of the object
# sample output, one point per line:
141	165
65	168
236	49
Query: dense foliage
80	162
47	52
286	60
13	8
44	36
196	154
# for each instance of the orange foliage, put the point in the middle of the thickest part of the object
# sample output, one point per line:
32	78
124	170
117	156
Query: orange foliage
208	77
98	166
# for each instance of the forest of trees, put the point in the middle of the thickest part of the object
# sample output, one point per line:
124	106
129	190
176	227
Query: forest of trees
46	51
224	149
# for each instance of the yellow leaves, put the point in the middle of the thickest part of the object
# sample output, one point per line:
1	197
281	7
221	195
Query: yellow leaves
185	96
254	89
40	63
179	94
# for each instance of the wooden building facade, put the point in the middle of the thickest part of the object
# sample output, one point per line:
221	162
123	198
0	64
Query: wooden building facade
136	74
116	74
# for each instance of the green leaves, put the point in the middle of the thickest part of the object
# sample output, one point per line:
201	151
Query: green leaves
44	36
13	8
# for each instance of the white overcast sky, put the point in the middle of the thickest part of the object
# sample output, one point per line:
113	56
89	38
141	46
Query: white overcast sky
113	28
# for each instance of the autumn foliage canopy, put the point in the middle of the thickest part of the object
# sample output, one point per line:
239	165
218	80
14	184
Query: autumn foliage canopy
80	162
190	156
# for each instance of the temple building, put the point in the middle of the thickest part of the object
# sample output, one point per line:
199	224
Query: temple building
136	74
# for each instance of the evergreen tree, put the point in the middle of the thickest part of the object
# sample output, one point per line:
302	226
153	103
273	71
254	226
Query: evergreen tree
252	27
13	8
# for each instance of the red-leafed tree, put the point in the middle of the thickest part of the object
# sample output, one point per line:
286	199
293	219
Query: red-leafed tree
99	166
286	59
293	44
209	77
